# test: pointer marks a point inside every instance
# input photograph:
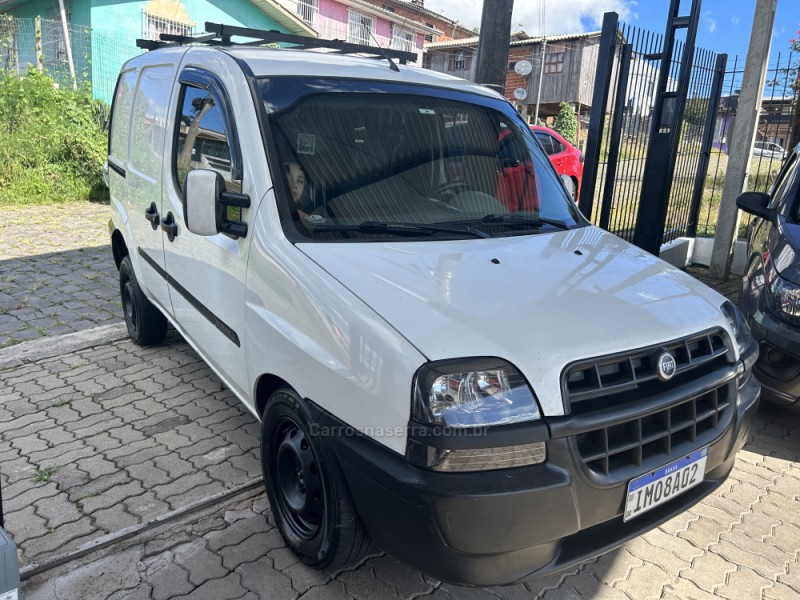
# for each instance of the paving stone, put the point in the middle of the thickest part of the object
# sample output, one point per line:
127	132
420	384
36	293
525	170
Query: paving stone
267	583
708	571
44	547
98	578
282	558
778	591
112	496
362	583
57	510
181	486
225	588
146	506
201	563
254	546
770	558
161	544
174	465
304	578
167	579
97	466
29	497
236	533
25	524
114	518
646	581
140	457
332	590
584	585
744	583
683	589
405	580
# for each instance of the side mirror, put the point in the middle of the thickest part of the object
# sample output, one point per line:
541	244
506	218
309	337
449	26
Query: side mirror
205	204
756	203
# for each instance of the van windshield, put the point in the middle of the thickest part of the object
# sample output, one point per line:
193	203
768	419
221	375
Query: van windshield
361	160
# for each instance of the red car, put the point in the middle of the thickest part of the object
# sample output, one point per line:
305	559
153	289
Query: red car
566	158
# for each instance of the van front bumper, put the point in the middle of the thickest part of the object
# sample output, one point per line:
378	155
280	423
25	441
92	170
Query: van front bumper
504	526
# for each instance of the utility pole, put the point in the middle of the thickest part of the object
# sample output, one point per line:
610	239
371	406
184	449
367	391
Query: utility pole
68	44
493	45
739	153
541	74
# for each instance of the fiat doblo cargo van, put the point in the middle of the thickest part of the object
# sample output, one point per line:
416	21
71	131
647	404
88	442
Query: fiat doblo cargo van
445	356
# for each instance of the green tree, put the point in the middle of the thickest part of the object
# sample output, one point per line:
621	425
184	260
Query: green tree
794	73
567	123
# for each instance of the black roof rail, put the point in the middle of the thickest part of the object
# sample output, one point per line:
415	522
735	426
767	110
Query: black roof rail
220	35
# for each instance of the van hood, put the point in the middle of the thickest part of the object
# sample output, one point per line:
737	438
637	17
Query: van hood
538	301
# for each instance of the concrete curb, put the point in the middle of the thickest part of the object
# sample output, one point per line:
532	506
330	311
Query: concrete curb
50	347
123	534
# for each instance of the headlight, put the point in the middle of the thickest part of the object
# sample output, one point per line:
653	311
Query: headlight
783	297
476	392
741	330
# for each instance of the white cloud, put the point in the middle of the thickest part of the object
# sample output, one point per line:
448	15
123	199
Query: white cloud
562	16
711	24
736	20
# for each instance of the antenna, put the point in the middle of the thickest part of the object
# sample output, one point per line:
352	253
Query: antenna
392	65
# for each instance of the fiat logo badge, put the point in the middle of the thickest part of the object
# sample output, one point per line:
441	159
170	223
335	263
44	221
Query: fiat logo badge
666	366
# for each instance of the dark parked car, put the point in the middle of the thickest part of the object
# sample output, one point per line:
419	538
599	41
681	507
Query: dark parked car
770	297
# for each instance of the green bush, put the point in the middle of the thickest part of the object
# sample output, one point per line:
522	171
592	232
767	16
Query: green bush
567	123
53	145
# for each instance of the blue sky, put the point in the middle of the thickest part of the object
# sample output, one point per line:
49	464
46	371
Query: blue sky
725	26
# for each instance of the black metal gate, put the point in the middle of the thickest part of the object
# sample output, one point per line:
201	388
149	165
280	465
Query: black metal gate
640	97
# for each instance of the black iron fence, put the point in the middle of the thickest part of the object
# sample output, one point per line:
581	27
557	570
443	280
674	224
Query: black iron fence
778	107
628	129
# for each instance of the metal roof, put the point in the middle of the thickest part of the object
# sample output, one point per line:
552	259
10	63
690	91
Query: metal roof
473	41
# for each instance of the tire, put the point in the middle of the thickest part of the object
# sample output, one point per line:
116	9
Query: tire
570	185
146	325
309	496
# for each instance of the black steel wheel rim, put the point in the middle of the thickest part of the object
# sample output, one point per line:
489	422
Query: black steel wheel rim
296	479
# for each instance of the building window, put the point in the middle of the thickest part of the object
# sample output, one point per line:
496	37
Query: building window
460	61
360	27
402	39
307	10
554	59
153	26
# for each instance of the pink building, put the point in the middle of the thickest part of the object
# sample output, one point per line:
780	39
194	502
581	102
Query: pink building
362	22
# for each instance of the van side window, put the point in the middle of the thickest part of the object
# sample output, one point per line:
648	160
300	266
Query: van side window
203	140
121	117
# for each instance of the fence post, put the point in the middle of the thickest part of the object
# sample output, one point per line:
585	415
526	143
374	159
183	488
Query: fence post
39	66
708	140
665	132
602	84
616	133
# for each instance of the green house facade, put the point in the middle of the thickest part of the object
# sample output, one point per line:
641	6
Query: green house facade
103	33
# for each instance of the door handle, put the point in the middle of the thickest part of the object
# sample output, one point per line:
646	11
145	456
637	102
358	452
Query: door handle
170	226
151	214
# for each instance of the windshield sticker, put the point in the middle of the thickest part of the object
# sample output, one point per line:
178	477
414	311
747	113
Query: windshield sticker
316	219
306	143
427	111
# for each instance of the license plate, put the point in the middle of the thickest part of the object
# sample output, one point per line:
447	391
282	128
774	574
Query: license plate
653	489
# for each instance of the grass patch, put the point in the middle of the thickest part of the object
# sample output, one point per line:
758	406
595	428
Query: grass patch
44	473
54	143
79	501
58	403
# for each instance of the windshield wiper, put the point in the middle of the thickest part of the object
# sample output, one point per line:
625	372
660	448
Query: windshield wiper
403	229
522	220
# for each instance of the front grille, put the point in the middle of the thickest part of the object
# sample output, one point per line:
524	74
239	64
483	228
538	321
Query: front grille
673	431
625	384
611	380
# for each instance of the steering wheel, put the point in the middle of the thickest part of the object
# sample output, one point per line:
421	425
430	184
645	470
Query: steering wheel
448	190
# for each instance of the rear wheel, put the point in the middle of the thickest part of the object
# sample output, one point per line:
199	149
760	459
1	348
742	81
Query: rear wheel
309	496
146	325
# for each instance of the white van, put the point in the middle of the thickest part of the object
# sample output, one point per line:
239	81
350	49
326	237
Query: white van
445	356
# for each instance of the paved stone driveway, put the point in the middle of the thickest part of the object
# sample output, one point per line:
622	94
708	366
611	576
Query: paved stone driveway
57	274
100	441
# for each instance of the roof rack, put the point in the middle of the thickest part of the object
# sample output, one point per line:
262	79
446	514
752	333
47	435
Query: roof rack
220	35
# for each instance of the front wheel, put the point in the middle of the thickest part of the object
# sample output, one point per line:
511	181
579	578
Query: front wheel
146	325
309	496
